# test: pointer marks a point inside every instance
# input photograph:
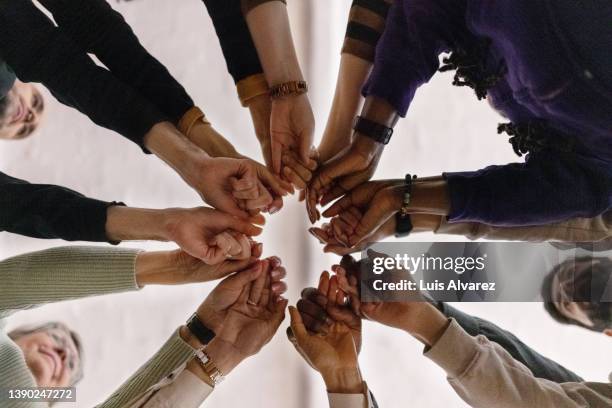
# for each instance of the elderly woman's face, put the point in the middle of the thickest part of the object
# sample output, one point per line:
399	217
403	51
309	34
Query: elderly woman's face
22	112
51	356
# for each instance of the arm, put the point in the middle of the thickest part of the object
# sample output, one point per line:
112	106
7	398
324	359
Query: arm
58	274
98	29
291	118
485	375
539	365
366	24
48	211
523	194
44	54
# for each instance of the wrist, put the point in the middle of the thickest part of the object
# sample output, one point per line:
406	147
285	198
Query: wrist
424	322
224	355
367	147
343	381
431	197
155	268
212	142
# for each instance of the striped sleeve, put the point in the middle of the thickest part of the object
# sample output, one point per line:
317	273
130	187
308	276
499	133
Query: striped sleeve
174	354
366	24
64	273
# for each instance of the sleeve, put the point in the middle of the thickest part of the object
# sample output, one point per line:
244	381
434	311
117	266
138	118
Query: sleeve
39	52
363	400
98	29
549	187
15	374
416	33
170	358
484	375
48	211
64	273
186	391
235	38
366	24
574	230
248	5
539	365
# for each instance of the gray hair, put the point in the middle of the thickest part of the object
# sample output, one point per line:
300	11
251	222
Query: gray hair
23	331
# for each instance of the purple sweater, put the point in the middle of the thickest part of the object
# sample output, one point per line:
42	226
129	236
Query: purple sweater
553	74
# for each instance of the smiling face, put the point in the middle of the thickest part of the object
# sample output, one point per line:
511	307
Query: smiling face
21	111
52	356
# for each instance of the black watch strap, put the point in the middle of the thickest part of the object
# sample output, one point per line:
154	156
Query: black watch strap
376	131
199	329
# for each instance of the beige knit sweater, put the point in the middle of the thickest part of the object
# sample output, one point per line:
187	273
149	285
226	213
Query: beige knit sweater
33	279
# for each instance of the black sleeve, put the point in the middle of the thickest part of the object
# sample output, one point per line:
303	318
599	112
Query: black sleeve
100	30
39	52
235	38
539	365
48	211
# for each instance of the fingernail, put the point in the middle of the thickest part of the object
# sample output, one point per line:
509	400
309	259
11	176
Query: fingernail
273	210
275	274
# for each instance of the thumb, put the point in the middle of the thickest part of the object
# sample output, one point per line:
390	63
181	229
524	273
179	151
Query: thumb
306	145
297	325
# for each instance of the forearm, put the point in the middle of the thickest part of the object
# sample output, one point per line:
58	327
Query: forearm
346	105
65	273
176	150
271	33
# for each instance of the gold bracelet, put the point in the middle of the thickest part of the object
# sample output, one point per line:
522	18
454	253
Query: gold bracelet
288	89
211	370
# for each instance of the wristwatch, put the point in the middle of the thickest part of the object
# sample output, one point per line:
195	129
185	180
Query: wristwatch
209	367
376	131
199	329
403	221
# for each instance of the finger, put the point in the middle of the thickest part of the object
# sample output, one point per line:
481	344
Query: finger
239	225
339	249
300	169
351	217
319	234
226	244
249	194
259	284
295	178
324	283
306	136
266	292
313	325
311	205
244	244
245	182
297	325
333	289
312	309
275	261
256	249
243	278
340	206
278	274
372	220
278	288
257	219
276	149
274	183
313	295
302	196
340	298
336	191
262	201
244	295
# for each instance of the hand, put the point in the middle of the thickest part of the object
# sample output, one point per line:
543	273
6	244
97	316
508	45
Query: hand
178	267
366	213
254	318
333	354
231	185
206	137
323	306
291	128
351	167
210	235
215	308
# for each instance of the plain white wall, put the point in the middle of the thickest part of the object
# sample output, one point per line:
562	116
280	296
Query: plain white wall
446	130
